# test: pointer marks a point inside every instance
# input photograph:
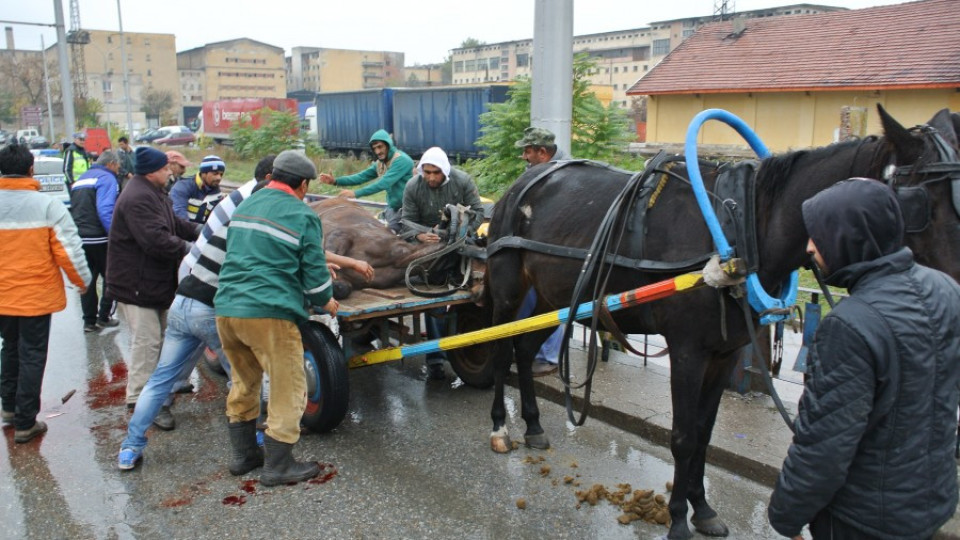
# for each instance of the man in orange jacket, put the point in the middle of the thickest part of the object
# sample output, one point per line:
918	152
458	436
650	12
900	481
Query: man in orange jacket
37	239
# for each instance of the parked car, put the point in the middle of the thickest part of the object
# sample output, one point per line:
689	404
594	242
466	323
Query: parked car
169	135
24	135
176	136
38	141
49	172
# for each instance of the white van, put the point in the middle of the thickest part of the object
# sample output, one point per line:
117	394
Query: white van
24	135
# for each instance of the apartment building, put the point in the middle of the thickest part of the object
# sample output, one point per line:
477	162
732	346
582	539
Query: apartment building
622	56
318	69
151	62
233	69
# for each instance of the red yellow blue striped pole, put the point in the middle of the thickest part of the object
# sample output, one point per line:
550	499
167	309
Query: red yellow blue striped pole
641	295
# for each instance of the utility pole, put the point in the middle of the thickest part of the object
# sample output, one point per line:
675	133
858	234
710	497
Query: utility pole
551	102
126	76
46	86
69	118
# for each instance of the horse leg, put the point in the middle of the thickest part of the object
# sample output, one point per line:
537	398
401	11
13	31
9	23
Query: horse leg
687	370
527	346
705	519
500	437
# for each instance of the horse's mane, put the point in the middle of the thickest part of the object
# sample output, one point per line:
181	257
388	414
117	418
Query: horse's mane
774	169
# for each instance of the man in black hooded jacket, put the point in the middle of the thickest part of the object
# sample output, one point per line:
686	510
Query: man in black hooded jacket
873	452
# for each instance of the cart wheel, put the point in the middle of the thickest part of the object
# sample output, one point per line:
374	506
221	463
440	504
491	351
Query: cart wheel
328	390
474	364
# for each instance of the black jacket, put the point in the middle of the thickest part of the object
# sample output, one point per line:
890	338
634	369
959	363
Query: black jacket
877	421
146	244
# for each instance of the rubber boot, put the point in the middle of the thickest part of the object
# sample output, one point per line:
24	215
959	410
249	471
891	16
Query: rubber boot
281	468
247	456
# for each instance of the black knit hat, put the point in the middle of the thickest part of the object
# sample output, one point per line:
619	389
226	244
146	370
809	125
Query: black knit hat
149	160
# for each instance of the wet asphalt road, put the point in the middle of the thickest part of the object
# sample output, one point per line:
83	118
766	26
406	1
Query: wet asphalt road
411	460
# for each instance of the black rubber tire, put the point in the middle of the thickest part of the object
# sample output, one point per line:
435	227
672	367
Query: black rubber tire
474	364
328	386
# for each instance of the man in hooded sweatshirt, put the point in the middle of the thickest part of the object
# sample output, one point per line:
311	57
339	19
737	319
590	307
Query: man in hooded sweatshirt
436	185
872	456
392	169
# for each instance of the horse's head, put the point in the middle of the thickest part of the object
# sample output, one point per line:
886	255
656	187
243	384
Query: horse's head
924	169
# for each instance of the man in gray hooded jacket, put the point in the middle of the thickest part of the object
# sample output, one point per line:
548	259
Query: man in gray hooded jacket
873	452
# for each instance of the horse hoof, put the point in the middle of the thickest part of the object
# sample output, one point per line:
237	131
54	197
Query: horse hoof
501	444
678	531
712	526
540	442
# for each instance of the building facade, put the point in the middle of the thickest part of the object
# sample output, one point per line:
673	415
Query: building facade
622	56
329	70
801	82
234	69
151	62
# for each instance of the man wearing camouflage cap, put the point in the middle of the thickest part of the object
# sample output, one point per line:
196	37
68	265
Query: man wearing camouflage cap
539	146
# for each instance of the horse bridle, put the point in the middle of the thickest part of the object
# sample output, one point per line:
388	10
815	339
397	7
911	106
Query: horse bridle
915	200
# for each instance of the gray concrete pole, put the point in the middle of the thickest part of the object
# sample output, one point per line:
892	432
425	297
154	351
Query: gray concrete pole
46	87
66	83
551	102
126	76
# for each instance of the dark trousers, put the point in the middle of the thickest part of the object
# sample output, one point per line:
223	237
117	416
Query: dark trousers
827	527
97	261
23	359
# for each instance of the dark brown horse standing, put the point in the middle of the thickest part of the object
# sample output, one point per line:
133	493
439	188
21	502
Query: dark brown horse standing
566	207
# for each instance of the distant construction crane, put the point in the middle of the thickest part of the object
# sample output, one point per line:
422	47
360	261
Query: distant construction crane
77	38
723	10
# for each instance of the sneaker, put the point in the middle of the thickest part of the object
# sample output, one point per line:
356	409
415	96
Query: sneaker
7	416
542	369
128	458
165	419
108	323
26	435
89	327
435	372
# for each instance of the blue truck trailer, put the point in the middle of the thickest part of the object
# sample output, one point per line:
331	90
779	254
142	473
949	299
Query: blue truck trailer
345	120
448	117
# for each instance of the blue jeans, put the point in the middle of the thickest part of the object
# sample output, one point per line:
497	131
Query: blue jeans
190	323
550	350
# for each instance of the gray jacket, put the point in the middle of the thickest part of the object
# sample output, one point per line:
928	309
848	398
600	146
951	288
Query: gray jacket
424	206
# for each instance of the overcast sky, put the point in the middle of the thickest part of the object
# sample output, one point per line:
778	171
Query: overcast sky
425	30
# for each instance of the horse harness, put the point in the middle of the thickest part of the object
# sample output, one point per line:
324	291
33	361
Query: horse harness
915	200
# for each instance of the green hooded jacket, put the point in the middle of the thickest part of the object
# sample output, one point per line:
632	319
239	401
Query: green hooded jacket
392	174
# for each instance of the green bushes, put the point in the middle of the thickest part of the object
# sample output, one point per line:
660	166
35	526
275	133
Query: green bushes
278	131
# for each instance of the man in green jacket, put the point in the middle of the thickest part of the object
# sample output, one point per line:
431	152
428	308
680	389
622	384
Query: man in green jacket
274	262
392	169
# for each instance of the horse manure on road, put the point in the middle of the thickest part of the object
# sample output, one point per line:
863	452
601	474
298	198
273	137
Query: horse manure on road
643	504
522	504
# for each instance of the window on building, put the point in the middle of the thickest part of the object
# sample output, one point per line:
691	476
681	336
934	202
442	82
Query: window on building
148	58
107	86
661	47
494	63
146	42
149	73
470	65
523	60
481	64
688	32
109	39
458	67
616	69
635	67
129	41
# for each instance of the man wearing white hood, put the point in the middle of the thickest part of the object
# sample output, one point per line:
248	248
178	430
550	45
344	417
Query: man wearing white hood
436	185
